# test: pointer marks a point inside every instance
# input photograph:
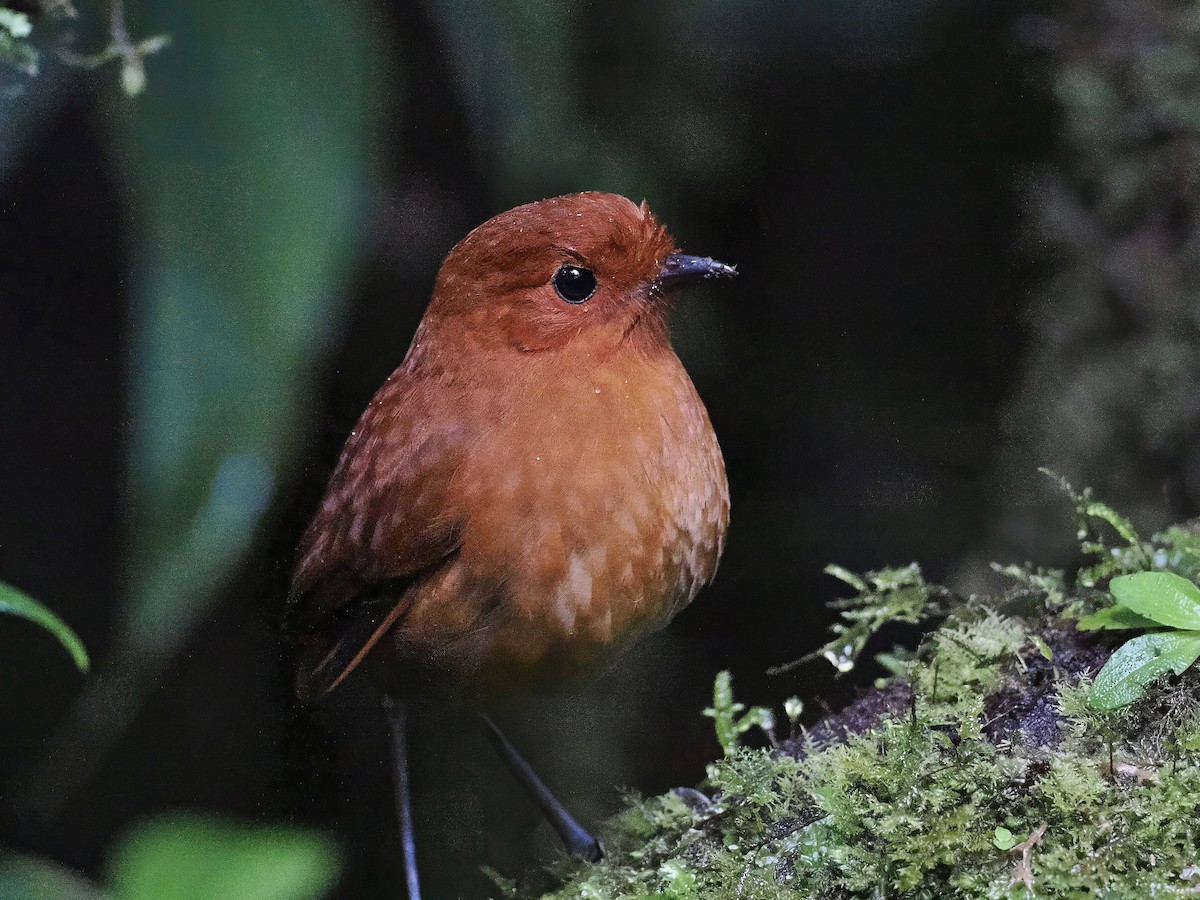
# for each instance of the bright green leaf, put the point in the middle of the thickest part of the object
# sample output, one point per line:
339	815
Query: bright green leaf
205	858
1004	839
1115	618
16	603
1136	663
1162	596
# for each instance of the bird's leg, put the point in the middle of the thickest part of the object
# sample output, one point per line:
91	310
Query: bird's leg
394	710
579	841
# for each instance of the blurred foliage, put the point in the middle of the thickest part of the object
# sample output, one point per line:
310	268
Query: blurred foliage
16	50
131	55
1109	386
250	161
193	856
16	603
32	878
247	213
21	49
211	859
520	69
180	856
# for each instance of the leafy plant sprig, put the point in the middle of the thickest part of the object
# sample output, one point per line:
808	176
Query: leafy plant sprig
1134	555
725	711
888	595
1163	601
19	50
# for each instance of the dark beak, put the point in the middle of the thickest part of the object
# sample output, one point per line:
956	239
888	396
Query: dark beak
683	269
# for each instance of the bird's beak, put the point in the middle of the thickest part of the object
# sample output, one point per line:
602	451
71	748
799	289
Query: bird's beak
680	268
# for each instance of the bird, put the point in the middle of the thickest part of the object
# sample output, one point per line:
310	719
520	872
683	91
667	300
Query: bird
536	486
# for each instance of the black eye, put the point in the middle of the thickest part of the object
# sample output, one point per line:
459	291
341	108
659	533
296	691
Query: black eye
575	283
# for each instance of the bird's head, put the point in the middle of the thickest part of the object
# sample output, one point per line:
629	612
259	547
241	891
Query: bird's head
591	270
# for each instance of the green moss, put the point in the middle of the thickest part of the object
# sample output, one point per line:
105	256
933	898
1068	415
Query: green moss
981	772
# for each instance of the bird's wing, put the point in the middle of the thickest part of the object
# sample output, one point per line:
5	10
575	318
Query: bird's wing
388	517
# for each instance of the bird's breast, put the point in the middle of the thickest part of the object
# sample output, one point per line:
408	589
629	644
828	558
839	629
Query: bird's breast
598	510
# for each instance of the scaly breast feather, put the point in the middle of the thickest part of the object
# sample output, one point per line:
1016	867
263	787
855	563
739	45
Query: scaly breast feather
611	509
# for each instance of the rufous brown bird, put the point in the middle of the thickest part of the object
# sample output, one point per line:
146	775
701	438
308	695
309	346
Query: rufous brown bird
536	486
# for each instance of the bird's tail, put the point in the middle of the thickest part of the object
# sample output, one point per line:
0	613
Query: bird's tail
328	656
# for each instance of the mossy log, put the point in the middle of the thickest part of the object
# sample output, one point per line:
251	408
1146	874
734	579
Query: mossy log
979	769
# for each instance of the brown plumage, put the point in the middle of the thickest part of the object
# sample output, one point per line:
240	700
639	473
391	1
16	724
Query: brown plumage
537	485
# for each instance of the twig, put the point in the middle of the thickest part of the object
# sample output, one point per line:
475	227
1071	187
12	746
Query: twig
1025	866
121	46
119	30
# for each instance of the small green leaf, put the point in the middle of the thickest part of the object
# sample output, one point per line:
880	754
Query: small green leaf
1114	618
1138	662
1043	648
1004	839
16	603
207	858
1162	596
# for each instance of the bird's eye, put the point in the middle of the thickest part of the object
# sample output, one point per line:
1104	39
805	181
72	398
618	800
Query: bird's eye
574	283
